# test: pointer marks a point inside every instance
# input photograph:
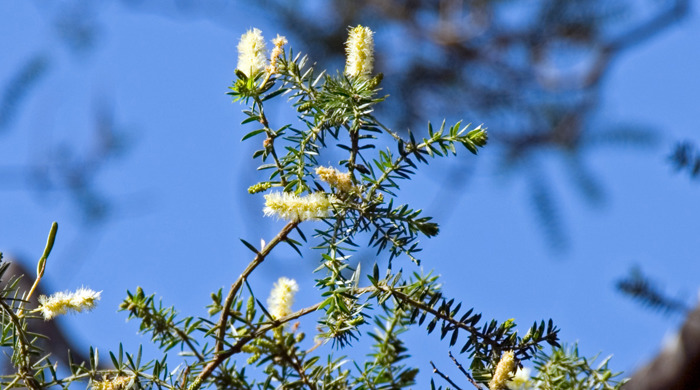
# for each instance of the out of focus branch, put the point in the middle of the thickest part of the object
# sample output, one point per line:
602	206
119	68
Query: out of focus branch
642	289
677	367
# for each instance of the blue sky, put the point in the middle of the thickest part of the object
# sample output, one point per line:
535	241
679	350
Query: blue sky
180	199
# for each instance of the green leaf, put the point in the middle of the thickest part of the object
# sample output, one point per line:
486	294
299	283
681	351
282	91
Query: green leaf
326	302
250	246
253	118
274	94
252	134
294	245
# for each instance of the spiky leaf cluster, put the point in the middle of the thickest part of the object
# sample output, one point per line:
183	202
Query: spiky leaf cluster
565	369
482	341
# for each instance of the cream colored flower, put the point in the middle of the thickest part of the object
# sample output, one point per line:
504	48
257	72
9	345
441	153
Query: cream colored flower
282	297
504	369
360	52
63	302
521	379
116	383
252	55
277	51
297	208
337	179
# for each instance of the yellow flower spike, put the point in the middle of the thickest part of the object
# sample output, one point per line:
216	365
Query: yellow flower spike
252	56
337	179
116	383
279	43
506	366
360	52
63	302
293	207
282	297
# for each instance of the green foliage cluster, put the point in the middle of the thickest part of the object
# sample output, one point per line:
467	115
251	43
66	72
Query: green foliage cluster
239	343
564	369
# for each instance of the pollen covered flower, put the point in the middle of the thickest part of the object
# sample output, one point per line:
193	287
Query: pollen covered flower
293	207
506	366
282	297
337	179
360	52
63	302
252	56
116	383
277	51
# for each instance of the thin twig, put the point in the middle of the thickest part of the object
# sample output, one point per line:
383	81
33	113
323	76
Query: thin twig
221	356
259	258
188	340
469	377
293	360
445	377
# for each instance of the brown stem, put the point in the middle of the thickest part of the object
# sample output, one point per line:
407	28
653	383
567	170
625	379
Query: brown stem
469	377
293	360
445	377
221	356
259	258
186	338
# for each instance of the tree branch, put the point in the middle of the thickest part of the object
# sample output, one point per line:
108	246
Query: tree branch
259	258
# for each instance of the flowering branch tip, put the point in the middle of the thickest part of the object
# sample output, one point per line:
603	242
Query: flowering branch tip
506	366
64	302
360	52
293	207
252	56
282	297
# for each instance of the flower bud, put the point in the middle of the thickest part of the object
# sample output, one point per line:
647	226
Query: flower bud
479	136
259	187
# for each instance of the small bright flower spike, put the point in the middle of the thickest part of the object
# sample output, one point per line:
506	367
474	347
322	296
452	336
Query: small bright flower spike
282	297
292	207
337	179
277	51
116	383
63	302
505	367
360	52
252	57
